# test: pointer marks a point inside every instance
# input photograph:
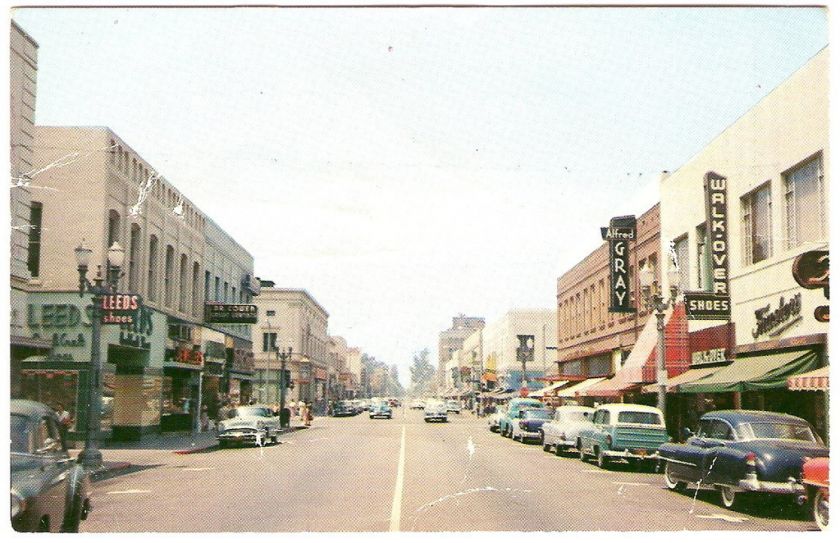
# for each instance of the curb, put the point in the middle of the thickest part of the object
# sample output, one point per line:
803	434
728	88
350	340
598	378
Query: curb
109	469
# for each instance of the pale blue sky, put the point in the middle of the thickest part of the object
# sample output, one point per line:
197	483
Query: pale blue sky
407	165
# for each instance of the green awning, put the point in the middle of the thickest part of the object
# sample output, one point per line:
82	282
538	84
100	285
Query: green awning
761	372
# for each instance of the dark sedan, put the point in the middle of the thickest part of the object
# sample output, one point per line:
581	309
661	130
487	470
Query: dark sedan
50	492
743	451
530	423
343	409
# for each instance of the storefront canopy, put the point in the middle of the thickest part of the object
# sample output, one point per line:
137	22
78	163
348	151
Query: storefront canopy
762	372
816	380
579	389
546	390
674	383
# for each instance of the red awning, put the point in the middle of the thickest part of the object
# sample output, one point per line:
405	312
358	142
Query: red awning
816	380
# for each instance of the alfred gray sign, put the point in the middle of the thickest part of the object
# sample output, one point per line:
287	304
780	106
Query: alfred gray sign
619	234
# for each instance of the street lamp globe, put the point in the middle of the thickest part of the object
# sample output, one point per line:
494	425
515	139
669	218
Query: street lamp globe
116	254
646	277
82	255
673	278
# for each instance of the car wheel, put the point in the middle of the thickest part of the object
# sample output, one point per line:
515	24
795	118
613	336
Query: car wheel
603	460
670	482
581	454
728	496
558	450
73	517
821	508
546	446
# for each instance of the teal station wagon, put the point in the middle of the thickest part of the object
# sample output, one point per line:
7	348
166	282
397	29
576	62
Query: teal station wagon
623	431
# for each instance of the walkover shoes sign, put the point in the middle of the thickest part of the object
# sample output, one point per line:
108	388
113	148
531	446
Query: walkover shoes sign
619	234
714	305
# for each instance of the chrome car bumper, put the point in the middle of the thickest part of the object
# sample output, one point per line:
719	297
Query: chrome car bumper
633	454
240	436
752	484
529	435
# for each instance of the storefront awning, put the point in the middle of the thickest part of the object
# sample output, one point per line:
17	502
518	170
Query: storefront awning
816	380
546	390
579	389
761	372
674	383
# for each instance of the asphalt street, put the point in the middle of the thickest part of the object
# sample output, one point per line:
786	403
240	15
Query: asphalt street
357	474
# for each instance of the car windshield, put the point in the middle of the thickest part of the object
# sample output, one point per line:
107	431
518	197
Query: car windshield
250	411
777	430
639	417
576	416
433	405
20	437
539	414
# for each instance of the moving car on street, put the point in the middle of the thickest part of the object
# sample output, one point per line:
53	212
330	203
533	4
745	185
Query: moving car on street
510	415
743	451
50	491
815	479
453	406
493	421
563	430
417	404
624	431
344	409
435	411
381	410
530	424
254	424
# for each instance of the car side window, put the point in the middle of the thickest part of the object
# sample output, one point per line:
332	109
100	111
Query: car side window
720	430
47	437
704	429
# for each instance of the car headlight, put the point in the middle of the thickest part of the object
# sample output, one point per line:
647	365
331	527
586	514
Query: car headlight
18	504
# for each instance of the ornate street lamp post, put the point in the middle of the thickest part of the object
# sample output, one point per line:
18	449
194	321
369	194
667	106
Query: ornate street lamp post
283	356
91	457
655	302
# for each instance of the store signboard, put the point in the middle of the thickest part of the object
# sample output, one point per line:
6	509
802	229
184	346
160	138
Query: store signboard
619	234
717	231
707	306
230	313
120	308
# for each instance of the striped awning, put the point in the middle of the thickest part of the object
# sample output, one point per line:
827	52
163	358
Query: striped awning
816	380
546	390
579	389
674	382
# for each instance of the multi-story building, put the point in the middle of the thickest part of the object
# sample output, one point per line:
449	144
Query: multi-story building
594	343
775	161
25	217
341	380
451	339
354	366
292	318
98	192
499	344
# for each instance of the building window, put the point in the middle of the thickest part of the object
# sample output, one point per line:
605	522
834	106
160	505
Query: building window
182	285
167	276
225	299
805	203
33	261
216	291
269	341
153	251
704	269
133	259
681	249
207	286
196	278
233	294
113	227
756	225
270	313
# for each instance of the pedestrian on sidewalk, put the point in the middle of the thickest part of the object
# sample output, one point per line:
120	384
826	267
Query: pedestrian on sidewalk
308	415
302	411
205	419
63	416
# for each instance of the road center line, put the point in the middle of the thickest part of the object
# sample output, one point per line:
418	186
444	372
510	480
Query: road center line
396	503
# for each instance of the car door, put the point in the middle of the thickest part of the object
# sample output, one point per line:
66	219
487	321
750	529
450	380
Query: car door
550	428
690	456
715	468
55	467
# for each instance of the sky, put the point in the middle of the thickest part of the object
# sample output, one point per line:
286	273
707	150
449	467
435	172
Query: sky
408	165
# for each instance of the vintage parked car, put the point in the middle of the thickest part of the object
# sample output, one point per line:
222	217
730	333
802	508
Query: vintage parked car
623	431
381	410
530	423
510	415
435	411
743	451
50	491
254	424
562	432
344	409
453	406
493	421
815	479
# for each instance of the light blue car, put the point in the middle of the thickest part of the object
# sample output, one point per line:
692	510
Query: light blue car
513	412
623	431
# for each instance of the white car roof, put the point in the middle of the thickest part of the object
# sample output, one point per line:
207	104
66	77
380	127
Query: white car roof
619	407
574	409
